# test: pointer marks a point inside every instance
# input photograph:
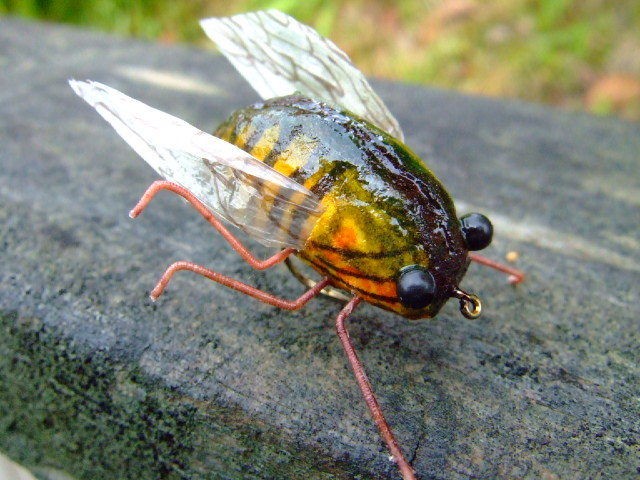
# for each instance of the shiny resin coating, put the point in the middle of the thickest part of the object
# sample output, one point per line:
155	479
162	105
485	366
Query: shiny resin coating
383	209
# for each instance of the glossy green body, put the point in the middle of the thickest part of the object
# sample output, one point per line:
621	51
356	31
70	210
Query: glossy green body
384	210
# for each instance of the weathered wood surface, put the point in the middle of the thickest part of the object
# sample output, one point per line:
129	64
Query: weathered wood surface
99	382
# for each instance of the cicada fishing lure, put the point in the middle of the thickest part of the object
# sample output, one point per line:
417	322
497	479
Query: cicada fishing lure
318	169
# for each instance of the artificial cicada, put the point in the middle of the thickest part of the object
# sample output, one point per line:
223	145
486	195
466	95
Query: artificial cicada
318	169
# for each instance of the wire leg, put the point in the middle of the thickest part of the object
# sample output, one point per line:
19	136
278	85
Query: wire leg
367	392
515	276
237	285
159	185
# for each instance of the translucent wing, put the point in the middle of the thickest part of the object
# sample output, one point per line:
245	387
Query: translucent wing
278	56
267	205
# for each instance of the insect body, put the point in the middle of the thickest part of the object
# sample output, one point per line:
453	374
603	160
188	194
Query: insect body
383	211
318	169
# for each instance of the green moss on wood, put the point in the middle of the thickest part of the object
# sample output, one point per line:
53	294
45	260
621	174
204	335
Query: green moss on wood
84	414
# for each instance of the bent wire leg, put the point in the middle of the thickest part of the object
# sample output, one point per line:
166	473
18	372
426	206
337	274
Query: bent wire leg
367	392
237	285
159	185
515	276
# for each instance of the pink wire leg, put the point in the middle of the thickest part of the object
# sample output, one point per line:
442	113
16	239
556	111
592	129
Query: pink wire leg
159	185
237	285
515	276
367	392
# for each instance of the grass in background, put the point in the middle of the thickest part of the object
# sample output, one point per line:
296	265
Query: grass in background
576	54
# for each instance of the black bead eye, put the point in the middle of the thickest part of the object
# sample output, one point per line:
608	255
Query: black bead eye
416	287
476	230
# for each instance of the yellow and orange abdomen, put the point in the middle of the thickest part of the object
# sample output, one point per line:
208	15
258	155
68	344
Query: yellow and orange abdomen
368	230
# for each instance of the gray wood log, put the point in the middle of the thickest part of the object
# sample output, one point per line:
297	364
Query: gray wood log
101	383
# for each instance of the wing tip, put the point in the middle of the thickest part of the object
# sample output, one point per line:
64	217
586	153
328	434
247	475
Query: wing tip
87	89
206	22
214	22
76	85
82	88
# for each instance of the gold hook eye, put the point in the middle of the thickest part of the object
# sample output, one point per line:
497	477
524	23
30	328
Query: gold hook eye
470	304
475	311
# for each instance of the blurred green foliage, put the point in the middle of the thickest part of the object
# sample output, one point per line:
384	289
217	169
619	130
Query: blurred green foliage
577	54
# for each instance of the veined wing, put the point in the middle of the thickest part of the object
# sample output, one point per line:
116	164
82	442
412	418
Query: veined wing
278	56
267	205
